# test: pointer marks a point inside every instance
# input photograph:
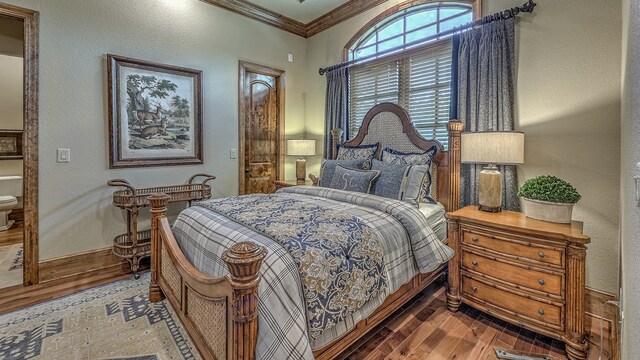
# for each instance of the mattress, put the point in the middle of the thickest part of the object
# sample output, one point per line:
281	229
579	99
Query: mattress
435	217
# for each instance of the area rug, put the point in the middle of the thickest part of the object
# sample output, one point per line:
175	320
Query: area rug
114	321
10	265
17	260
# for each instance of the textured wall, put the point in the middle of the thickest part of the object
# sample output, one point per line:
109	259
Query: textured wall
568	105
75	35
630	142
10	104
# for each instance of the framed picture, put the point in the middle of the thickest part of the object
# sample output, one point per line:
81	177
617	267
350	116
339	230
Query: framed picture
155	114
10	144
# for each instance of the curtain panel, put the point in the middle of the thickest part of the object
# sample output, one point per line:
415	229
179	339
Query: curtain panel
485	72
336	107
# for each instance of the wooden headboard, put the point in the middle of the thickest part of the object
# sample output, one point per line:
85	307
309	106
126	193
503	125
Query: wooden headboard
391	126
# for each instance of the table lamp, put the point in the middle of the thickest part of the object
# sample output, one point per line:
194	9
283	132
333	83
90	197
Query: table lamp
492	148
301	148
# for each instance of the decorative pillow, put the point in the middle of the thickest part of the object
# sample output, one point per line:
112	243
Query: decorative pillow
419	158
399	181
328	168
364	152
422	158
353	180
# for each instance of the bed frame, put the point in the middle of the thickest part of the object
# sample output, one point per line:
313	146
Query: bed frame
220	314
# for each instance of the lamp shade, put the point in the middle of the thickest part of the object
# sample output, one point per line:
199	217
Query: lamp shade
301	147
493	147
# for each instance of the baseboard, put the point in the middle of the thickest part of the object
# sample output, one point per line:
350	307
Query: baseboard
594	300
101	260
64	276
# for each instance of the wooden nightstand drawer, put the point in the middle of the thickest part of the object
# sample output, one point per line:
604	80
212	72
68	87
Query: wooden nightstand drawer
511	302
520	276
514	248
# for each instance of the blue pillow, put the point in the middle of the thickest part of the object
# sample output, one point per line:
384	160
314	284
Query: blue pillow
415	158
362	152
328	168
353	180
418	158
399	181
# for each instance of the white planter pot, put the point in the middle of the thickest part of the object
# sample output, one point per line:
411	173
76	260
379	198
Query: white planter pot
548	211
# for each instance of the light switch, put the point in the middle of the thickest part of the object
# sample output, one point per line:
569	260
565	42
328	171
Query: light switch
233	153
290	57
64	155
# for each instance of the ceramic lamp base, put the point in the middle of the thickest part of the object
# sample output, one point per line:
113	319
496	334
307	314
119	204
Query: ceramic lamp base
301	170
490	189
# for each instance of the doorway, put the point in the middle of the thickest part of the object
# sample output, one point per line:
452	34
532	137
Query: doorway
19	60
261	128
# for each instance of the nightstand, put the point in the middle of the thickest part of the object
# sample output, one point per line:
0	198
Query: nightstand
286	183
528	272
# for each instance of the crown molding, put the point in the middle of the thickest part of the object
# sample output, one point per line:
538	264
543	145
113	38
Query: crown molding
261	14
333	17
340	14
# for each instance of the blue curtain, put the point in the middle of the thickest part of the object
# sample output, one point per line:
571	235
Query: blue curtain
336	107
483	91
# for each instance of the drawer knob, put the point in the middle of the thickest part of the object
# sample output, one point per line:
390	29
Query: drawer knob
474	263
474	289
474	239
541	312
541	281
541	254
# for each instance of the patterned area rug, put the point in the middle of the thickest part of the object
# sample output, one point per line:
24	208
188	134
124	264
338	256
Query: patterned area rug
114	321
17	260
10	265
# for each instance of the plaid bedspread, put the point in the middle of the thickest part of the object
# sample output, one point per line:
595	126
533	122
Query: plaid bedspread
408	246
339	256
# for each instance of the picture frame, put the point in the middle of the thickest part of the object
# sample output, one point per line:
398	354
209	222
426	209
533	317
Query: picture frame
11	144
155	114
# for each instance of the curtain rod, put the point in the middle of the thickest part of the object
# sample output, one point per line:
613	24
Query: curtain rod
503	15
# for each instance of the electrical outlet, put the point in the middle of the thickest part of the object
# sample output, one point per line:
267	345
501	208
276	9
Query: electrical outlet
64	155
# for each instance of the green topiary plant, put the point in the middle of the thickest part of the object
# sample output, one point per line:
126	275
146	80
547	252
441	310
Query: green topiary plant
549	188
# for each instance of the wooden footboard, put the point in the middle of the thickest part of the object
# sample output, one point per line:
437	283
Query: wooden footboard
220	314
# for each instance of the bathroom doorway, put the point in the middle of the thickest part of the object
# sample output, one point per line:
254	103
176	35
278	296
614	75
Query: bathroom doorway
18	146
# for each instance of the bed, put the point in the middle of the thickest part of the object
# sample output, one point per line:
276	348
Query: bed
211	269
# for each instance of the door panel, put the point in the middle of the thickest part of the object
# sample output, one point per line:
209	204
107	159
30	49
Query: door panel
261	128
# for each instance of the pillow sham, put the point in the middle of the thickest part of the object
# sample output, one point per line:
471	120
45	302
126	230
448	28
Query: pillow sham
411	158
328	168
416	158
353	179
399	181
365	152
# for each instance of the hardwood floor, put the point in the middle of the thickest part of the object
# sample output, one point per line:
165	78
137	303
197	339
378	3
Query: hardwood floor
425	329
12	236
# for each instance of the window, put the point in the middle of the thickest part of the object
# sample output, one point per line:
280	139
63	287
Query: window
417	76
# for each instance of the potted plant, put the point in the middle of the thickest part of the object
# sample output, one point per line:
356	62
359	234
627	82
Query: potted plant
548	198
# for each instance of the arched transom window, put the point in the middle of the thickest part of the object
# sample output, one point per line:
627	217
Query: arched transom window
418	75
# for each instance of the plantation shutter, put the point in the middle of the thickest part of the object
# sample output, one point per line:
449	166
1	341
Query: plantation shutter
420	82
371	85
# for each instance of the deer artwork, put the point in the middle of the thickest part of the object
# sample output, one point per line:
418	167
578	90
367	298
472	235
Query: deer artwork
145	117
153	130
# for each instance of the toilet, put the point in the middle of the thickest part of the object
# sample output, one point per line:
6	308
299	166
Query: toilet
10	190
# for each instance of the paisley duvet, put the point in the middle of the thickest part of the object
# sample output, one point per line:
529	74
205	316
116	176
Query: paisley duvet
334	256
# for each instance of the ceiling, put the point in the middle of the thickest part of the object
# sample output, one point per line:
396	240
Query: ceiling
303	12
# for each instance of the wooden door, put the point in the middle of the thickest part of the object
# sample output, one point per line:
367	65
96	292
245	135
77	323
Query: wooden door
260	128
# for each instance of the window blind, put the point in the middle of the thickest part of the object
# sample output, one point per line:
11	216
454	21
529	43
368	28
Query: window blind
420	82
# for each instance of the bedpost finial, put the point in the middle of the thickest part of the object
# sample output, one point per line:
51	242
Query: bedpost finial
455	126
244	259
158	201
